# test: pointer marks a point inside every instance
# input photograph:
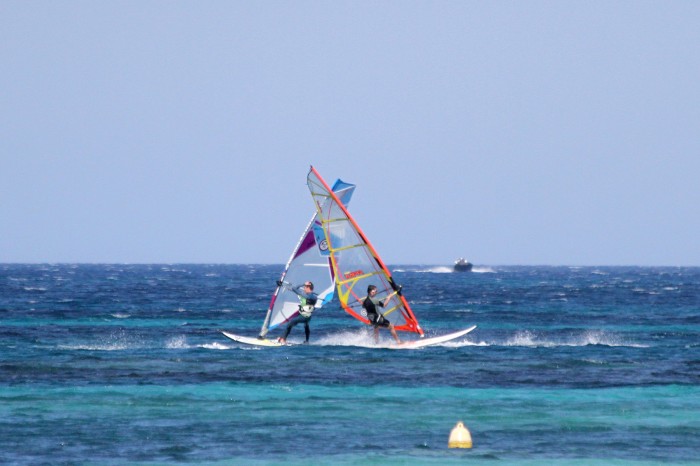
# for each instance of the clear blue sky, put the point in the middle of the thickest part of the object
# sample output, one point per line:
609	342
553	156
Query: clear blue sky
509	132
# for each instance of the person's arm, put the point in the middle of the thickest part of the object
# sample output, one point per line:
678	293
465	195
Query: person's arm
386	301
299	290
292	288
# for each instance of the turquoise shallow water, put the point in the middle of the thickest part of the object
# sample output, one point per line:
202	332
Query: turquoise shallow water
115	364
208	422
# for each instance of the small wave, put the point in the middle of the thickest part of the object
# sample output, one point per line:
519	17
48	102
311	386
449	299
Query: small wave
179	342
463	343
436	269
594	361
462	311
598	337
87	348
116	346
174	270
214	346
118	341
350	338
592	337
524	338
119	315
445	269
441	269
483	270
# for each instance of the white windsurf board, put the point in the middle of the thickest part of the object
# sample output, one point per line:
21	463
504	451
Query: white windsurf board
252	341
433	340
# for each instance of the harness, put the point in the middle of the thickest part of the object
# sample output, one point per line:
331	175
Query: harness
373	315
306	306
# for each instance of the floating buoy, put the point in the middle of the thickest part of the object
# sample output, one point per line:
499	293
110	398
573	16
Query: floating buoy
460	437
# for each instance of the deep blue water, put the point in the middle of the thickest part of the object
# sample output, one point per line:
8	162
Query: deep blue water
117	364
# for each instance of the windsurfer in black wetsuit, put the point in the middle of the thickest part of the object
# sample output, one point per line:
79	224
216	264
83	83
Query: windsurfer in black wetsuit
377	320
307	301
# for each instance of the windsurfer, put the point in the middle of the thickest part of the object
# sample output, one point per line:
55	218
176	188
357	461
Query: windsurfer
377	320
307	301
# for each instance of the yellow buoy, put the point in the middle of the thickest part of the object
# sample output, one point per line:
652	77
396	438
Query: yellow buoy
460	437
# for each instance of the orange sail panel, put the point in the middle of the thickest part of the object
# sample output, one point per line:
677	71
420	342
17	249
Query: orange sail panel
355	262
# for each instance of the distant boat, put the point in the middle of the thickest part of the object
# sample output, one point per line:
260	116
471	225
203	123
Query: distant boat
462	265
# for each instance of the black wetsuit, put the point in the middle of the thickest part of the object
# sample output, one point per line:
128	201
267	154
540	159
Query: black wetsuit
375	318
306	300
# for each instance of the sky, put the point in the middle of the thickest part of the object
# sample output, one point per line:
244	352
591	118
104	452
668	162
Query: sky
507	132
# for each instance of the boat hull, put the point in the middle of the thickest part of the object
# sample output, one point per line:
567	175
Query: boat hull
463	267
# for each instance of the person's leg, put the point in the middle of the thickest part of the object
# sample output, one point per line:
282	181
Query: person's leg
291	324
393	333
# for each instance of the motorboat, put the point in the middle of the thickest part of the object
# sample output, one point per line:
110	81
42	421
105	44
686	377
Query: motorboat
462	265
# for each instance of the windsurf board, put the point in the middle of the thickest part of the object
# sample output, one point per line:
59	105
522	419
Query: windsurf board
252	341
433	340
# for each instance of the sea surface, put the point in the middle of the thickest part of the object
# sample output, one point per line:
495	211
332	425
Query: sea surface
125	364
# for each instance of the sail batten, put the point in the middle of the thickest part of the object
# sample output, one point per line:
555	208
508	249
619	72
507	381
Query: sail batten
355	261
347	247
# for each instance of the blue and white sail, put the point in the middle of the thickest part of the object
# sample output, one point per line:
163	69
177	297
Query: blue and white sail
310	261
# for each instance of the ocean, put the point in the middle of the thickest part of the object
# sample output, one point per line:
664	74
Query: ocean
125	364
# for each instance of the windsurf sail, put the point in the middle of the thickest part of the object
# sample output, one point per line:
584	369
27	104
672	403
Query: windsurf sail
310	261
354	260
